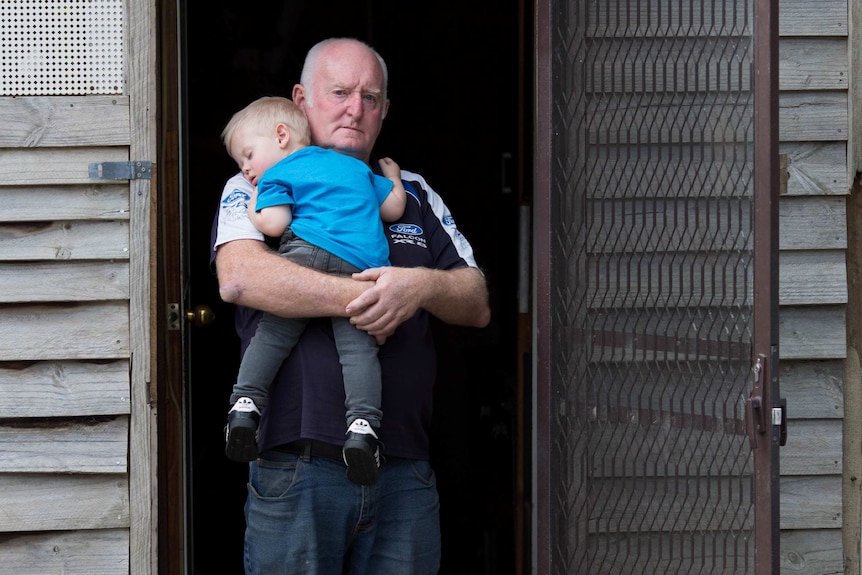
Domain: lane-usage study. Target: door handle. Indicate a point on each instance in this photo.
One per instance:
(759, 417)
(755, 412)
(200, 316)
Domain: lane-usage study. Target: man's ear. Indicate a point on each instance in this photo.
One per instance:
(282, 132)
(385, 110)
(298, 95)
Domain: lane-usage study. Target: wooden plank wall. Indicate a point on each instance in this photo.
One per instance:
(77, 468)
(65, 395)
(814, 126)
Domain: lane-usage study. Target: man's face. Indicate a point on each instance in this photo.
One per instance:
(345, 103)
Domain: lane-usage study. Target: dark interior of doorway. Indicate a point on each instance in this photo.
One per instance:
(454, 84)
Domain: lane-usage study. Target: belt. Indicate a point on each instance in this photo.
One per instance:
(310, 448)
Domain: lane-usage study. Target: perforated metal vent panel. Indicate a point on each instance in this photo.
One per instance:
(61, 47)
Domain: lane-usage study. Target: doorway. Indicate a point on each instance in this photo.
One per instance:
(456, 118)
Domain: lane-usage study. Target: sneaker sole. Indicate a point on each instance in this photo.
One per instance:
(241, 444)
(361, 465)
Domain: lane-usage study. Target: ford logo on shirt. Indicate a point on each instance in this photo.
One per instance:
(235, 198)
(407, 229)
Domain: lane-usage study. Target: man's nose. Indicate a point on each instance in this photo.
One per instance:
(354, 104)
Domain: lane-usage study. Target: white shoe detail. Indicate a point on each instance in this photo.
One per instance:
(360, 426)
(245, 405)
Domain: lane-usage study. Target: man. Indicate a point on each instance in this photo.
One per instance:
(303, 516)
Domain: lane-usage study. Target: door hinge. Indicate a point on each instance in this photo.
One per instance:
(135, 170)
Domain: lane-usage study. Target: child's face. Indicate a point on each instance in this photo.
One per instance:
(255, 151)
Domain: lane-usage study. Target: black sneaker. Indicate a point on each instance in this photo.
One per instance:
(361, 453)
(241, 431)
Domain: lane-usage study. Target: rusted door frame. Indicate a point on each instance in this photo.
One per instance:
(541, 291)
(767, 426)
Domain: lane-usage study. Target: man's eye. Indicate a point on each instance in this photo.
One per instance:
(340, 92)
(370, 99)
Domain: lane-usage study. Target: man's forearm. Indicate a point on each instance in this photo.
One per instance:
(458, 297)
(252, 275)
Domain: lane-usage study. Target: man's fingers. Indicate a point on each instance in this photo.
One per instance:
(377, 324)
(369, 275)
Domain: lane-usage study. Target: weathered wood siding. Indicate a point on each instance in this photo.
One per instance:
(814, 126)
(64, 334)
(76, 468)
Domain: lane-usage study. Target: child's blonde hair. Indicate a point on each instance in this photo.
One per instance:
(265, 113)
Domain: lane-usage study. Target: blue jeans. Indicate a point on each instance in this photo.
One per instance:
(303, 517)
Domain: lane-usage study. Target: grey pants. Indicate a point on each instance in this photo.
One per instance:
(276, 336)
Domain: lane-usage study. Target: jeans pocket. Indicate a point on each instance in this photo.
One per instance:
(424, 472)
(272, 477)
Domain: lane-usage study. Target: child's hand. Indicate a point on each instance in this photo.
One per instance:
(251, 206)
(390, 169)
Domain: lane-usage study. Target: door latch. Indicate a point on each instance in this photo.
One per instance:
(782, 413)
(760, 418)
(756, 414)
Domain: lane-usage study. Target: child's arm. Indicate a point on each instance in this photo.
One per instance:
(393, 206)
(271, 221)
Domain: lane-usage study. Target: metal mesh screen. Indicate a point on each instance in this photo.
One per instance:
(652, 286)
(71, 47)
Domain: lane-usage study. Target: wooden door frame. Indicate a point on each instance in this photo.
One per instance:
(142, 79)
(173, 499)
(170, 281)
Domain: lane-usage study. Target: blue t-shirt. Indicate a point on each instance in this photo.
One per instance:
(335, 202)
